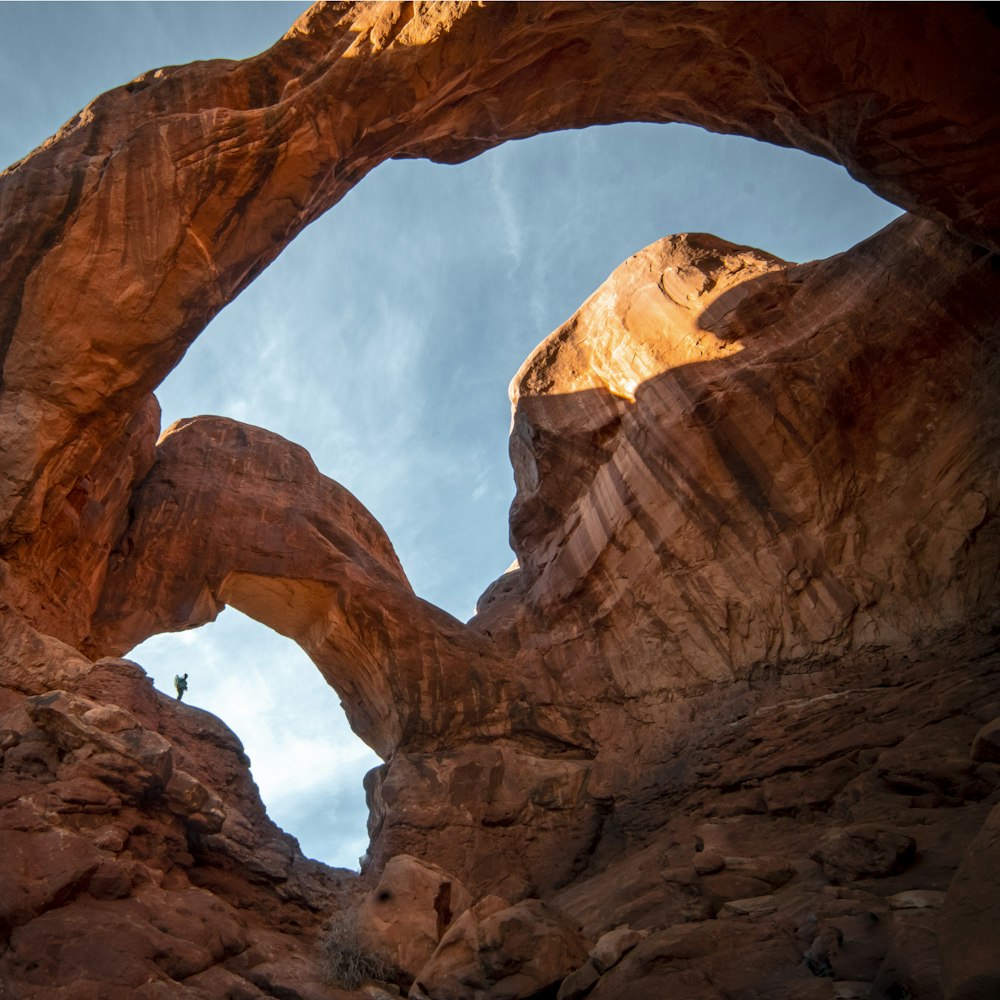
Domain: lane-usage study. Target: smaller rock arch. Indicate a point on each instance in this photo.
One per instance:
(232, 514)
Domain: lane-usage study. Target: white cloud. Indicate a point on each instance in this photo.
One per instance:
(505, 207)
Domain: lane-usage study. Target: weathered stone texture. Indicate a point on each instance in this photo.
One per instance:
(99, 311)
(319, 570)
(732, 717)
(754, 487)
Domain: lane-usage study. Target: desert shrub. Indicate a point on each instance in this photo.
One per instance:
(350, 964)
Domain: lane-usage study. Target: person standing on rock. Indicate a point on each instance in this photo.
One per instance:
(181, 683)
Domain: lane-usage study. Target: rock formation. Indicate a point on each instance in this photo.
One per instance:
(726, 728)
(320, 570)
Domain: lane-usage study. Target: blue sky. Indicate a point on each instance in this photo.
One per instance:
(384, 339)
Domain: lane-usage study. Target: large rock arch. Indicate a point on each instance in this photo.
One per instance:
(747, 552)
(232, 514)
(217, 165)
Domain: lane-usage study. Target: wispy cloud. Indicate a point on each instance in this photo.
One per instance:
(513, 241)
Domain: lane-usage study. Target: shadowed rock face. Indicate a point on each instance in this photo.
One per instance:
(763, 455)
(729, 695)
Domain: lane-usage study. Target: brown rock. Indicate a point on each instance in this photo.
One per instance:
(729, 513)
(32, 662)
(646, 896)
(911, 965)
(89, 943)
(848, 945)
(236, 207)
(579, 983)
(509, 952)
(670, 963)
(611, 946)
(407, 912)
(190, 798)
(864, 851)
(776, 872)
(326, 576)
(110, 838)
(707, 863)
(468, 809)
(755, 525)
(986, 745)
(64, 717)
(110, 881)
(41, 871)
(220, 982)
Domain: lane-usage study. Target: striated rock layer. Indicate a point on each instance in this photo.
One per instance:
(726, 730)
(731, 476)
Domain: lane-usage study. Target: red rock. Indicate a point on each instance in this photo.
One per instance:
(865, 851)
(72, 427)
(406, 913)
(755, 524)
(507, 952)
(706, 864)
(136, 758)
(41, 871)
(202, 807)
(321, 571)
(610, 947)
(110, 881)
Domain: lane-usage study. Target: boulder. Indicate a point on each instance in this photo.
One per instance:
(986, 745)
(969, 933)
(74, 722)
(611, 946)
(408, 911)
(504, 952)
(864, 851)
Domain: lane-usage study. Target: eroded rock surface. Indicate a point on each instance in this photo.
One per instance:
(732, 715)
(136, 851)
(217, 165)
(768, 507)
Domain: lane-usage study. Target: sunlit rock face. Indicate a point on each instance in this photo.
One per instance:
(726, 718)
(217, 165)
(728, 471)
(727, 464)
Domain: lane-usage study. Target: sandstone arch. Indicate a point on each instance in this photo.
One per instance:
(242, 155)
(592, 762)
(233, 514)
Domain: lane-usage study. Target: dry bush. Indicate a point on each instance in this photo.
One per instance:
(349, 963)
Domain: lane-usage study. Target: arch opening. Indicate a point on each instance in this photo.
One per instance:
(308, 765)
(408, 348)
(384, 337)
(401, 346)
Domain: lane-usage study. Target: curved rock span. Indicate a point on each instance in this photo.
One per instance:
(729, 726)
(231, 514)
